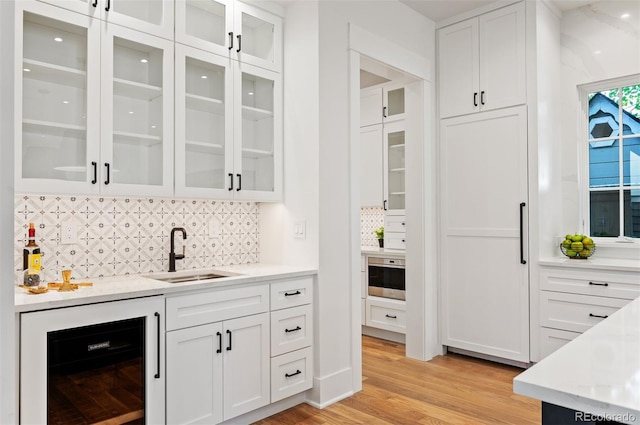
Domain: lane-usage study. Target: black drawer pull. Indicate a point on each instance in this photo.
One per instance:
(289, 375)
(297, 328)
(598, 316)
(391, 316)
(599, 284)
(290, 294)
(229, 333)
(219, 350)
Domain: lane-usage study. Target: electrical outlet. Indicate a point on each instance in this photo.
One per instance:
(69, 234)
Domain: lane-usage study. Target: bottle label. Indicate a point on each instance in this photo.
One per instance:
(34, 265)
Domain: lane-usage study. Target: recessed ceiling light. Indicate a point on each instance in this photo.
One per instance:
(26, 69)
(153, 126)
(144, 60)
(204, 77)
(58, 39)
(250, 93)
(131, 112)
(625, 15)
(596, 52)
(65, 101)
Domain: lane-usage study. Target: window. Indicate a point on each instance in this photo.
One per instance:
(613, 138)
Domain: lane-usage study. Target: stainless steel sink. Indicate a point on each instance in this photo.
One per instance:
(182, 277)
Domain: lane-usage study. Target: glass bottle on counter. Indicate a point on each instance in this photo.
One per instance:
(31, 259)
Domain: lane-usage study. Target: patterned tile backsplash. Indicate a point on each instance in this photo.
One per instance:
(119, 236)
(370, 220)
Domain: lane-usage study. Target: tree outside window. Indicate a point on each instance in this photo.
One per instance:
(614, 161)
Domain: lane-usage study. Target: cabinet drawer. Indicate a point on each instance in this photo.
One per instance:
(389, 315)
(291, 329)
(292, 293)
(552, 339)
(395, 223)
(207, 307)
(591, 282)
(394, 240)
(573, 312)
(291, 373)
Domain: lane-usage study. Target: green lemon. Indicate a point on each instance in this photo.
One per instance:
(566, 244)
(577, 246)
(571, 253)
(576, 238)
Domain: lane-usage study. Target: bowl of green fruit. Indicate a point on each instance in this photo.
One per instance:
(578, 247)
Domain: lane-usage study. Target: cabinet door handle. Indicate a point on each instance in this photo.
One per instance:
(384, 112)
(391, 316)
(290, 294)
(475, 98)
(297, 328)
(108, 5)
(230, 40)
(229, 333)
(598, 316)
(599, 284)
(239, 36)
(522, 260)
(482, 97)
(157, 375)
(95, 172)
(108, 180)
(384, 205)
(230, 182)
(239, 182)
(95, 3)
(289, 375)
(219, 335)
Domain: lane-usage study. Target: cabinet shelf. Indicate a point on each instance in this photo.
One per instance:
(136, 138)
(397, 193)
(135, 90)
(204, 147)
(255, 114)
(397, 170)
(256, 153)
(206, 104)
(53, 128)
(398, 146)
(57, 74)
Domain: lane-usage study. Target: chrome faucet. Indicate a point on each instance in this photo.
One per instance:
(172, 255)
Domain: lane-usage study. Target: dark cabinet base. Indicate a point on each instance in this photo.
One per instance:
(557, 415)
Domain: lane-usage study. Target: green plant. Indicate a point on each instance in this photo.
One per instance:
(379, 233)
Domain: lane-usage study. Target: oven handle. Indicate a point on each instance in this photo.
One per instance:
(386, 266)
(157, 375)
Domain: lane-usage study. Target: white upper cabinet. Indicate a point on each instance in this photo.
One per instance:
(381, 104)
(482, 62)
(96, 106)
(236, 30)
(371, 169)
(394, 168)
(150, 16)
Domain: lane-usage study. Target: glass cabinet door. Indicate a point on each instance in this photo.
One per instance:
(204, 124)
(394, 103)
(394, 136)
(86, 7)
(205, 24)
(259, 132)
(137, 110)
(151, 16)
(258, 37)
(59, 99)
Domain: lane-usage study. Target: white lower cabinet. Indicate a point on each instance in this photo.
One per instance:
(387, 314)
(573, 300)
(291, 373)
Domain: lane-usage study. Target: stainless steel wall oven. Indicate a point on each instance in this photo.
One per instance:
(386, 277)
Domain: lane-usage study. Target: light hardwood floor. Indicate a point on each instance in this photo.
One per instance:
(451, 389)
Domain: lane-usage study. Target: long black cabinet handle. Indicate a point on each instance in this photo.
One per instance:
(95, 3)
(239, 182)
(229, 333)
(95, 172)
(475, 98)
(384, 112)
(219, 335)
(384, 205)
(230, 182)
(239, 36)
(482, 97)
(108, 5)
(522, 260)
(157, 375)
(391, 316)
(108, 180)
(297, 328)
(598, 316)
(290, 294)
(599, 284)
(289, 375)
(230, 40)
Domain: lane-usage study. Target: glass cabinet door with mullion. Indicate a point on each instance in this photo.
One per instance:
(394, 167)
(258, 134)
(204, 124)
(137, 113)
(57, 100)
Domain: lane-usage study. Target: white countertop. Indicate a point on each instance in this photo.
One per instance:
(374, 250)
(115, 288)
(598, 372)
(600, 263)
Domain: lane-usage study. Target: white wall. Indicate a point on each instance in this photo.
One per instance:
(597, 44)
(8, 381)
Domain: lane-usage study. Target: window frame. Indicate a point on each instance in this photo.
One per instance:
(583, 151)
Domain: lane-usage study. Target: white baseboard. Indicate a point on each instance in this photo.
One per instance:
(266, 411)
(384, 334)
(331, 388)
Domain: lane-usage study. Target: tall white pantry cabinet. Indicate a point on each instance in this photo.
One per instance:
(484, 185)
